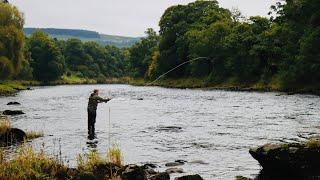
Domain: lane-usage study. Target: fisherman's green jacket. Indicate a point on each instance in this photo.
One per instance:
(94, 100)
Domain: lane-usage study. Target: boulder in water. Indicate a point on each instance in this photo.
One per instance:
(293, 157)
(189, 177)
(13, 103)
(12, 136)
(12, 112)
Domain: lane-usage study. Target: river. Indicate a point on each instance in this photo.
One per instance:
(212, 130)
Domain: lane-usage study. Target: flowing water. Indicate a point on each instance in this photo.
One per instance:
(212, 130)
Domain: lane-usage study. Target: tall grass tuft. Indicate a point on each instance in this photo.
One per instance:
(115, 155)
(313, 143)
(89, 161)
(2, 156)
(33, 135)
(4, 124)
(27, 164)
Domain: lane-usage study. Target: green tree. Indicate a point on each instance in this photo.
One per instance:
(141, 54)
(175, 27)
(48, 63)
(11, 38)
(6, 68)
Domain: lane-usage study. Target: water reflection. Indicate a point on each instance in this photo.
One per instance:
(92, 143)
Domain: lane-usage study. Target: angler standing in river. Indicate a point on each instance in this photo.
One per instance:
(94, 100)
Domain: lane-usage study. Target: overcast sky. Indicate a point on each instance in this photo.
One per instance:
(115, 17)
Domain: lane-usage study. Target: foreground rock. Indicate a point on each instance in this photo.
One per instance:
(296, 158)
(12, 136)
(12, 112)
(160, 176)
(189, 177)
(133, 172)
(13, 103)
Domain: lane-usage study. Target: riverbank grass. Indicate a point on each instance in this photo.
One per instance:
(73, 79)
(10, 87)
(28, 164)
(232, 84)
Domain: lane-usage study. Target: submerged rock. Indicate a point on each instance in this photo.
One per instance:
(198, 162)
(189, 177)
(149, 166)
(13, 103)
(12, 112)
(294, 157)
(170, 164)
(169, 129)
(174, 170)
(12, 136)
(176, 163)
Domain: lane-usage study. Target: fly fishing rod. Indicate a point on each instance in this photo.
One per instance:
(192, 60)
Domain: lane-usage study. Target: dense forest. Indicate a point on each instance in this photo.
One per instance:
(282, 49)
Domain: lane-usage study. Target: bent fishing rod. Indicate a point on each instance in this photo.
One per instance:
(192, 60)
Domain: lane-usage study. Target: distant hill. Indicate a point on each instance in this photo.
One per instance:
(85, 35)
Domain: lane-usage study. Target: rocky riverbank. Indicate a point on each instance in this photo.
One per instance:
(11, 87)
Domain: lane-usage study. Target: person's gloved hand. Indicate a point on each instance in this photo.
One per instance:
(108, 99)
